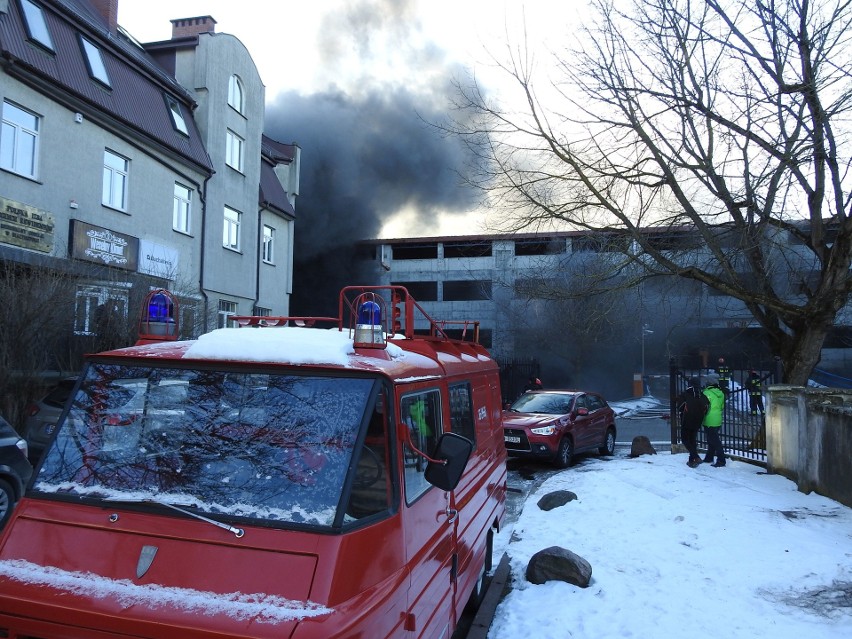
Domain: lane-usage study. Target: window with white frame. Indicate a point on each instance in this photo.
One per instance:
(98, 308)
(262, 311)
(36, 24)
(227, 309)
(268, 244)
(19, 140)
(116, 173)
(231, 229)
(177, 115)
(236, 95)
(234, 151)
(95, 61)
(182, 214)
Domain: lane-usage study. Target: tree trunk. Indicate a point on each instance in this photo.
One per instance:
(801, 353)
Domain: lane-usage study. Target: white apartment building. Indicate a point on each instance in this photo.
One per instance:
(129, 167)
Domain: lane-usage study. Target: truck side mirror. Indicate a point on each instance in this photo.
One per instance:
(449, 460)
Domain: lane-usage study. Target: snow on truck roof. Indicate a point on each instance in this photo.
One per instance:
(280, 344)
(298, 346)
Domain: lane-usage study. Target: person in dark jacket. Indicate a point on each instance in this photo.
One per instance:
(755, 391)
(713, 421)
(692, 406)
(534, 383)
(724, 373)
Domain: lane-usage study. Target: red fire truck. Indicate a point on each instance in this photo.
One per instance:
(293, 477)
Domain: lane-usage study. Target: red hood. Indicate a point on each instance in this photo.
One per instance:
(528, 420)
(86, 573)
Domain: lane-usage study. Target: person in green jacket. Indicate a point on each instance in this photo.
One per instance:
(713, 421)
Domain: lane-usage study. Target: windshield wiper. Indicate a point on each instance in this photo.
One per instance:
(238, 532)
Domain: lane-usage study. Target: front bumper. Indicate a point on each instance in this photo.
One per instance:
(519, 443)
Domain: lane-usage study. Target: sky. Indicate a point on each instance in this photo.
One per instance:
(727, 552)
(356, 83)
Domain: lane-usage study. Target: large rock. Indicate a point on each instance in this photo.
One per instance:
(556, 499)
(642, 446)
(558, 564)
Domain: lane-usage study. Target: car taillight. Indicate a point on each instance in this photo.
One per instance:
(32, 409)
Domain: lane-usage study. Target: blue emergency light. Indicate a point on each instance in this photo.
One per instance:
(369, 331)
(158, 317)
(160, 308)
(370, 313)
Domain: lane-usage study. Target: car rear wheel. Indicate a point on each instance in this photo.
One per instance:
(609, 443)
(565, 453)
(7, 500)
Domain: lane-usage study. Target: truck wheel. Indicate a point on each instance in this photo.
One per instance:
(565, 453)
(609, 443)
(7, 501)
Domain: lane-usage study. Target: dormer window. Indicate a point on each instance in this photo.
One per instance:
(236, 95)
(95, 62)
(36, 24)
(177, 115)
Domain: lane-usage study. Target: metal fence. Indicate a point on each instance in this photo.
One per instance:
(743, 430)
(514, 375)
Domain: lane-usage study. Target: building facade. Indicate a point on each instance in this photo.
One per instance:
(129, 167)
(523, 289)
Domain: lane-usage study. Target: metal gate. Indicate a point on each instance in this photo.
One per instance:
(743, 430)
(514, 375)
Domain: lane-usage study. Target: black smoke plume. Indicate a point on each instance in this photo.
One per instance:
(367, 153)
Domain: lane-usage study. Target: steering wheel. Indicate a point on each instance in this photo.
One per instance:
(369, 469)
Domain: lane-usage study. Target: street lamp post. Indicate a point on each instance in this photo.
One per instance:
(645, 331)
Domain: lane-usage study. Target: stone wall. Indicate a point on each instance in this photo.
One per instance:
(809, 439)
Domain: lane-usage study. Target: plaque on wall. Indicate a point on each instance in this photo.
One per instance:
(26, 226)
(158, 260)
(97, 244)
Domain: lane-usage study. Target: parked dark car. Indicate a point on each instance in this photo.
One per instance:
(15, 469)
(41, 417)
(554, 425)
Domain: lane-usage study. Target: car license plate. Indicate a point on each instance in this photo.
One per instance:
(511, 439)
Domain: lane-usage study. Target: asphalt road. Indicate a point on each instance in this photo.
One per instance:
(648, 422)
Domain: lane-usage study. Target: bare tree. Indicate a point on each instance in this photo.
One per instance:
(723, 122)
(34, 325)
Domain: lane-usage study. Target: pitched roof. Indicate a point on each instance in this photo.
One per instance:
(136, 97)
(272, 193)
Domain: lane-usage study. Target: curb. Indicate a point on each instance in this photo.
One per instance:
(485, 615)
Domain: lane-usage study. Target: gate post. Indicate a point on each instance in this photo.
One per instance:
(674, 371)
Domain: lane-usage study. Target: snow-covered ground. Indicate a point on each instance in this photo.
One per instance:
(678, 552)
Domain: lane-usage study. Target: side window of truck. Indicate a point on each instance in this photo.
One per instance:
(421, 413)
(372, 489)
(461, 411)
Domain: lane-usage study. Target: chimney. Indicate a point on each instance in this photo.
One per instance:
(109, 11)
(184, 27)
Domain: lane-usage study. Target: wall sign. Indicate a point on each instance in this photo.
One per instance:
(97, 244)
(158, 260)
(26, 226)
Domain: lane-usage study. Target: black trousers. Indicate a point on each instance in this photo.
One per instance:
(689, 437)
(714, 444)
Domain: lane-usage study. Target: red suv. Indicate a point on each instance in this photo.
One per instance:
(556, 424)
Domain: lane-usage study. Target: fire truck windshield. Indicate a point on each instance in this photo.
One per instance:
(269, 447)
